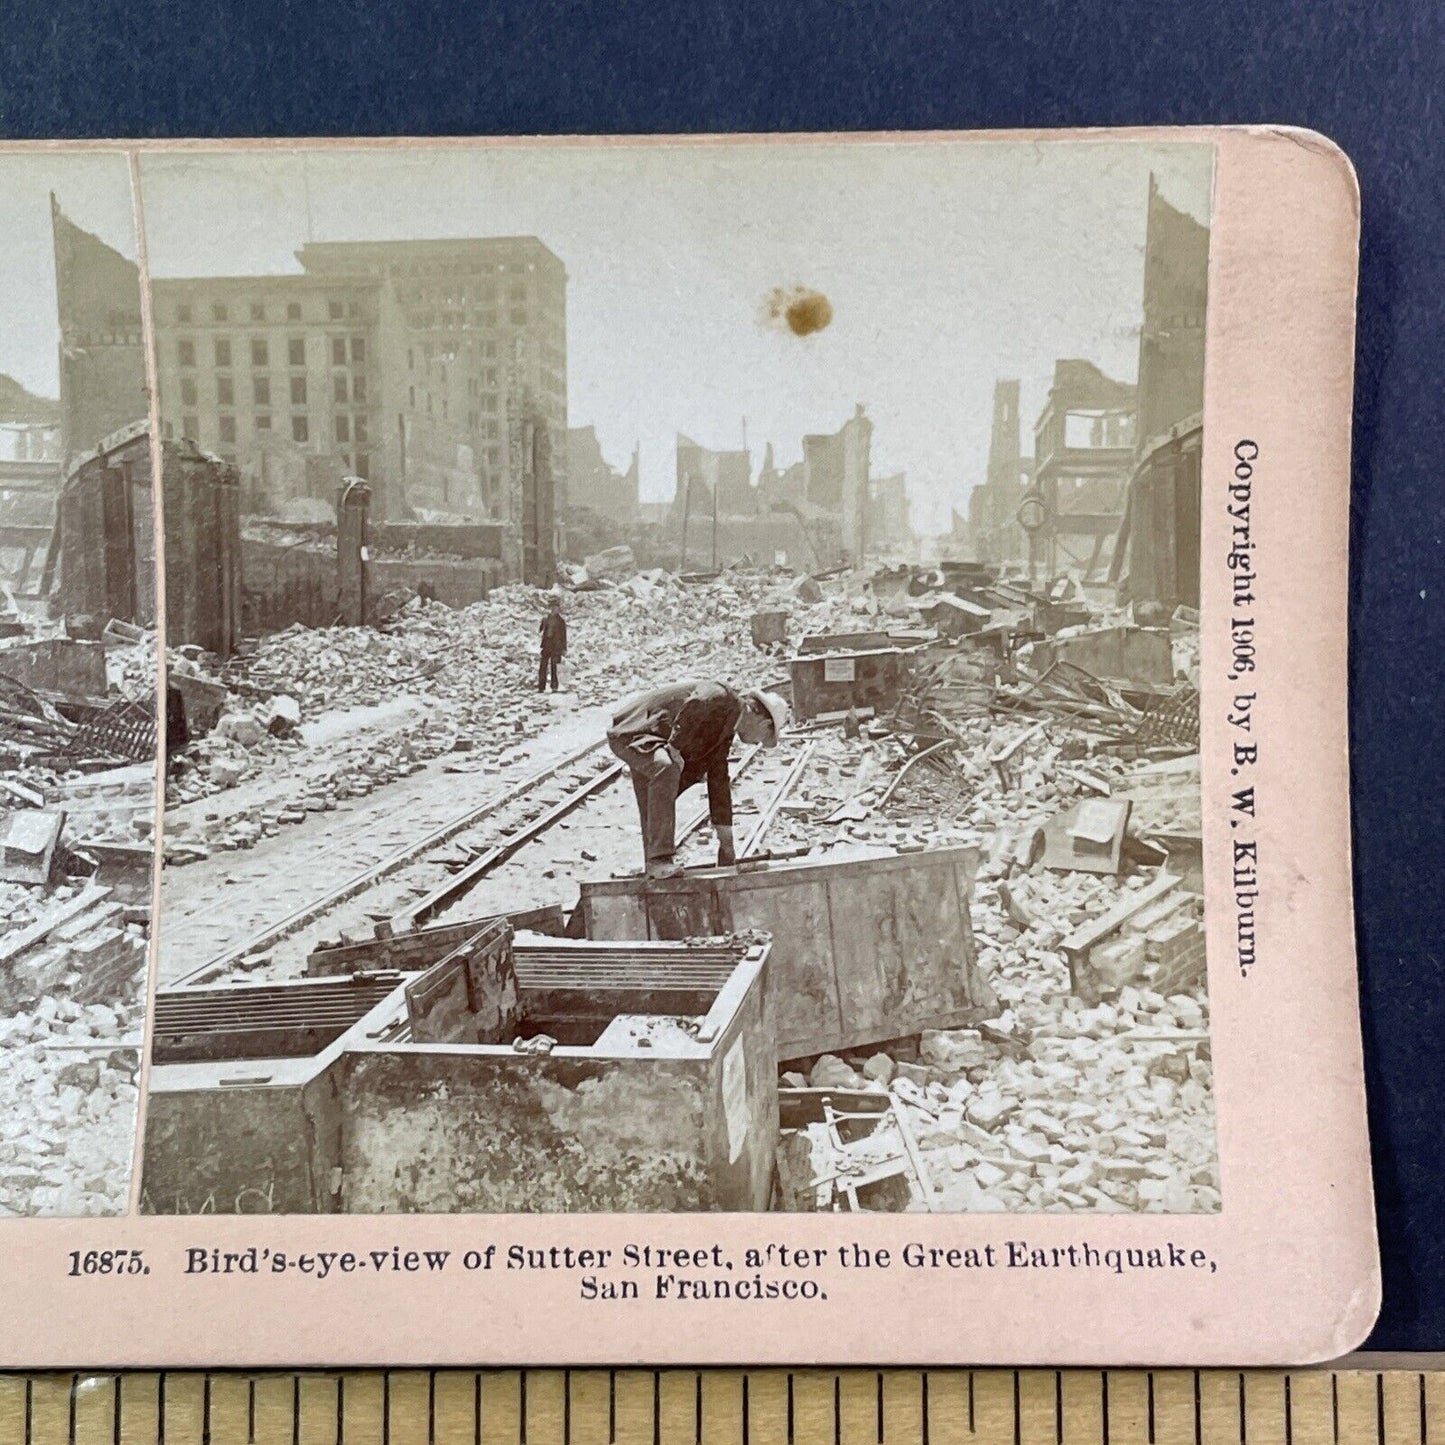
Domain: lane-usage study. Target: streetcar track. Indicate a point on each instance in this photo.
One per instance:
(495, 834)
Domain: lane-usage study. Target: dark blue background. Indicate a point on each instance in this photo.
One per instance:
(1370, 76)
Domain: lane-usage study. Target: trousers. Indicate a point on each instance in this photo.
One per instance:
(549, 661)
(656, 790)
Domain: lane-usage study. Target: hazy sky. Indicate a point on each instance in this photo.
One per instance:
(948, 265)
(94, 191)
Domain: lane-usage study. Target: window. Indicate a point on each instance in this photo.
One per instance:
(263, 422)
(223, 351)
(358, 427)
(261, 390)
(343, 427)
(293, 311)
(517, 293)
(489, 376)
(228, 429)
(296, 351)
(218, 311)
(358, 351)
(338, 389)
(335, 310)
(258, 311)
(298, 391)
(190, 427)
(363, 465)
(300, 432)
(186, 351)
(489, 350)
(411, 396)
(410, 359)
(353, 308)
(518, 317)
(338, 351)
(489, 318)
(260, 351)
(225, 391)
(358, 388)
(489, 402)
(444, 406)
(183, 313)
(188, 391)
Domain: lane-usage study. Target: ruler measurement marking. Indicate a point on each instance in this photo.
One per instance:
(1260, 1407)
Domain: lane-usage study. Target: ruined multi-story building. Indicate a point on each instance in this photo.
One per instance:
(1156, 557)
(1083, 454)
(102, 349)
(890, 514)
(993, 531)
(434, 369)
(592, 481)
(703, 474)
(838, 479)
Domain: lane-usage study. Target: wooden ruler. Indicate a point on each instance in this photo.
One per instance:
(730, 1407)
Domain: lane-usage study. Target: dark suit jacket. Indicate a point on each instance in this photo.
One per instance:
(699, 720)
(554, 635)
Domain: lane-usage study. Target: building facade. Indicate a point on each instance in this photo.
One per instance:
(428, 368)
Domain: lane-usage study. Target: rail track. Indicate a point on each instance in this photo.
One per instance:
(489, 858)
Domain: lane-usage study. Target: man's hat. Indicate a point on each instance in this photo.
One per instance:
(775, 707)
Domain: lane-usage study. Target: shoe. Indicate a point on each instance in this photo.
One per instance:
(667, 869)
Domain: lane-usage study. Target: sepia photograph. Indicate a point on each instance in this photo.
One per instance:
(682, 674)
(78, 695)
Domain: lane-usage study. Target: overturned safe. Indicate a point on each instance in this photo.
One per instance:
(864, 948)
(827, 682)
(546, 1076)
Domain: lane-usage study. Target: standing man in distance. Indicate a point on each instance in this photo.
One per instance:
(674, 737)
(554, 643)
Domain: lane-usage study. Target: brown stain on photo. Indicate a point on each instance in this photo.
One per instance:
(801, 309)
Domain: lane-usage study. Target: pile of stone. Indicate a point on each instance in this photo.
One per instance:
(69, 1097)
(471, 672)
